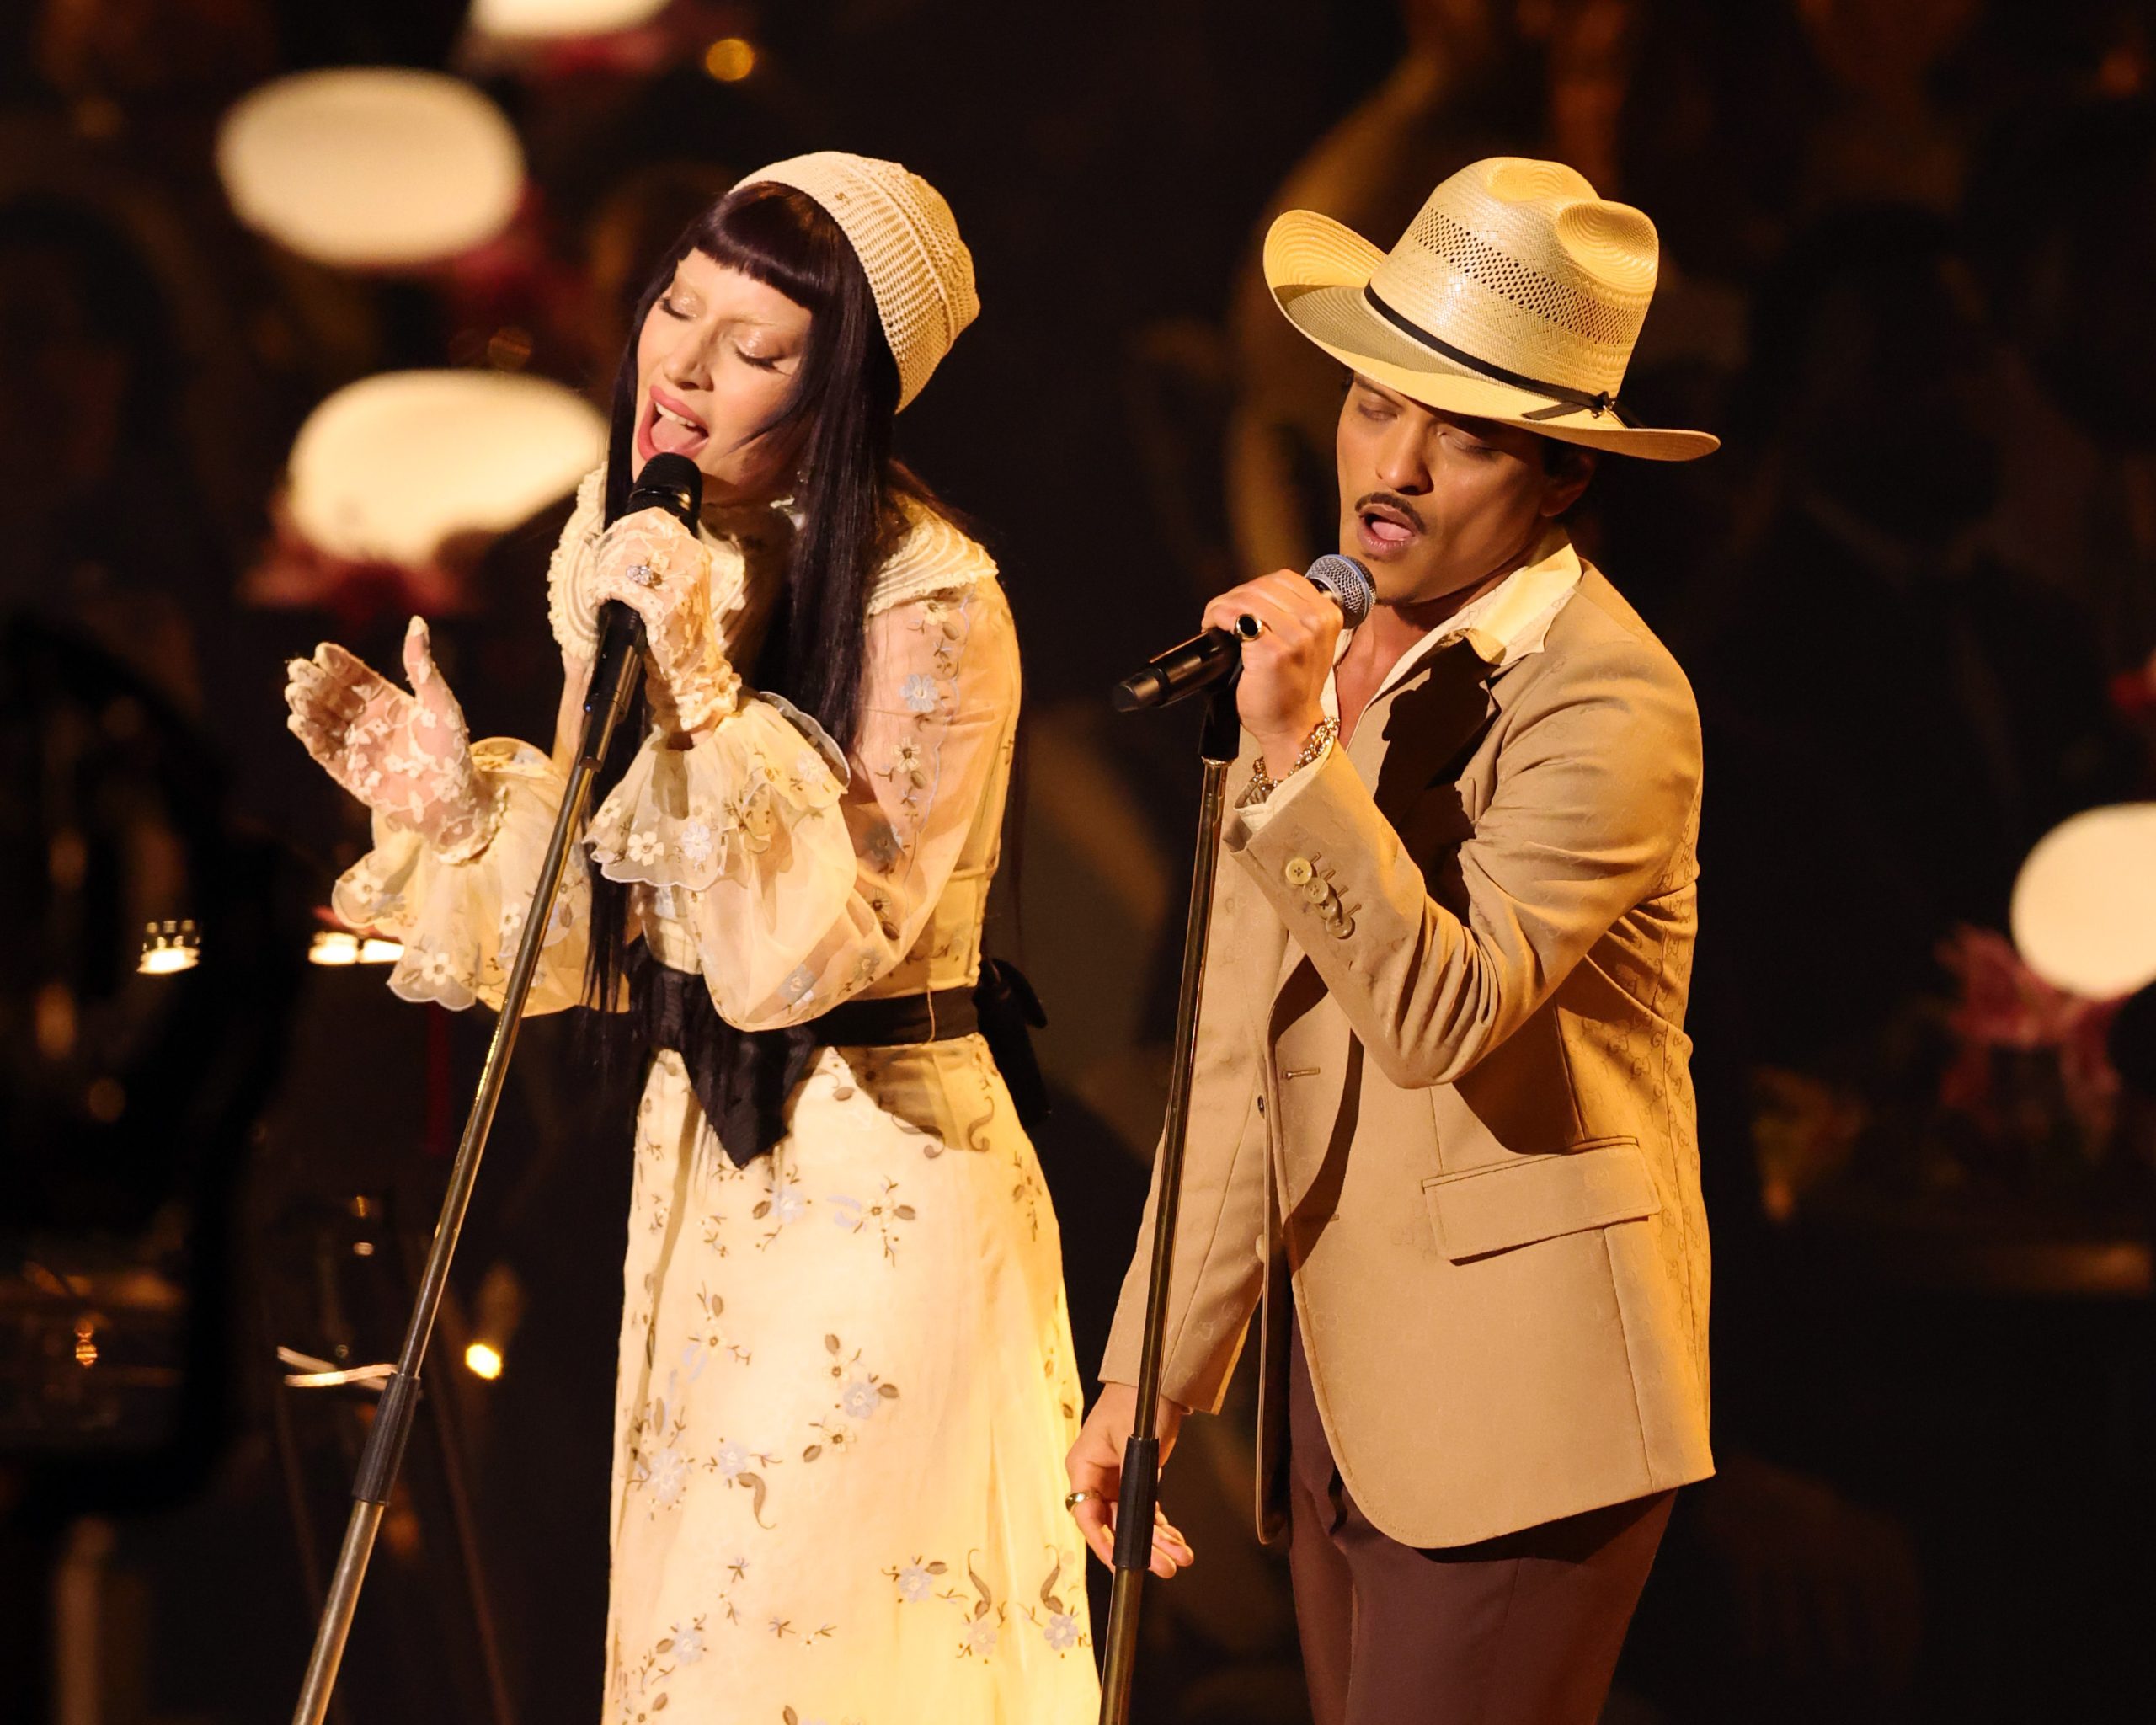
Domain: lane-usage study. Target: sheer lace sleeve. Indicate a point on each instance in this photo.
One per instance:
(806, 878)
(460, 921)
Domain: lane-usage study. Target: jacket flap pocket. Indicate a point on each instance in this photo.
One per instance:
(1482, 1210)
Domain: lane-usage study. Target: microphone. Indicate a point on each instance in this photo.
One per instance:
(1204, 660)
(672, 482)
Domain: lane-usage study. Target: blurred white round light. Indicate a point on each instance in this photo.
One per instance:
(2084, 904)
(561, 18)
(389, 468)
(370, 167)
(483, 1361)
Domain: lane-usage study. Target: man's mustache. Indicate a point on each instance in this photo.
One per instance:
(1392, 500)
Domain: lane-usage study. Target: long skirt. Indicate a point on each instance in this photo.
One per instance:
(845, 1392)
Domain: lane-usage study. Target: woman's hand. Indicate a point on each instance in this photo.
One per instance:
(1094, 1465)
(661, 571)
(408, 755)
(1285, 667)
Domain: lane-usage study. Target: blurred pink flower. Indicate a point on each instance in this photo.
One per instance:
(2005, 1005)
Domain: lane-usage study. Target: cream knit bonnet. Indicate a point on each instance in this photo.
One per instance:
(903, 234)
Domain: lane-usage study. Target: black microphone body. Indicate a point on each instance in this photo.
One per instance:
(672, 482)
(1204, 659)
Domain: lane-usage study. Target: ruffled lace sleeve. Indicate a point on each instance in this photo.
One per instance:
(805, 877)
(460, 922)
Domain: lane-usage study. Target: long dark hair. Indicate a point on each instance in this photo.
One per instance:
(838, 414)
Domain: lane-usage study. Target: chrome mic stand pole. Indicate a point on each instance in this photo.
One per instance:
(400, 1396)
(1137, 1503)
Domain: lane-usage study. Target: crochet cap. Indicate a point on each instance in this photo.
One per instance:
(907, 240)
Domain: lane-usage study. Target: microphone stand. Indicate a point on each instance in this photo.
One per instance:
(1137, 1502)
(614, 680)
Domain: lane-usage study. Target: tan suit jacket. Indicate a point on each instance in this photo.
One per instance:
(1449, 1103)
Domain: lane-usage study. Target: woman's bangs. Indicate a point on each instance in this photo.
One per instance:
(779, 236)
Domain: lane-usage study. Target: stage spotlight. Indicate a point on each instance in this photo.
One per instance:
(371, 167)
(2085, 904)
(334, 947)
(389, 468)
(483, 1361)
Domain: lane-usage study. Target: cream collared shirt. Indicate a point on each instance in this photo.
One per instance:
(1507, 624)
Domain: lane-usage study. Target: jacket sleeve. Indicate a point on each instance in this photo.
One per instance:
(1597, 776)
(1219, 1268)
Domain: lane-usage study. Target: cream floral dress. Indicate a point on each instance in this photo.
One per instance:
(845, 1385)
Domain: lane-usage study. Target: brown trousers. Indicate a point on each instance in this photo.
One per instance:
(1520, 1630)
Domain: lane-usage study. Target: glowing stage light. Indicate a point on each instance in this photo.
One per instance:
(483, 1361)
(562, 18)
(389, 468)
(2084, 904)
(730, 59)
(169, 948)
(371, 168)
(334, 947)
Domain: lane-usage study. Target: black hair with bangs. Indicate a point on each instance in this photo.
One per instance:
(838, 415)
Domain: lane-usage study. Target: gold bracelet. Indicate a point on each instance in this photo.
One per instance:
(1263, 784)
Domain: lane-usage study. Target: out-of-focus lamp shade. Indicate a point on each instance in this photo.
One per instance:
(169, 947)
(371, 167)
(2084, 904)
(390, 467)
(562, 18)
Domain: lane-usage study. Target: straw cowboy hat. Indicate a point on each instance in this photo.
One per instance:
(1516, 295)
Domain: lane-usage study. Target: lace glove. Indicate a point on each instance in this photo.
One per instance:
(661, 571)
(408, 755)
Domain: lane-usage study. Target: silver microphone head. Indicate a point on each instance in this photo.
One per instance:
(1349, 582)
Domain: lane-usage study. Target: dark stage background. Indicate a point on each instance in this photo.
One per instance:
(1908, 250)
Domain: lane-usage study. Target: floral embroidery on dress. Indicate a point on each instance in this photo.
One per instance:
(714, 1338)
(985, 1628)
(696, 841)
(737, 1572)
(640, 1688)
(917, 1580)
(854, 1216)
(861, 1393)
(986, 1616)
(434, 968)
(656, 1461)
(730, 1462)
(1057, 1622)
(785, 1202)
